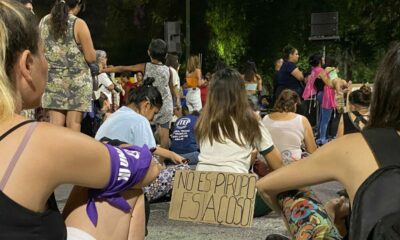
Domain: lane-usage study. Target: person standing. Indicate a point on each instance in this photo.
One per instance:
(172, 61)
(193, 82)
(252, 82)
(106, 86)
(157, 52)
(289, 76)
(327, 100)
(68, 50)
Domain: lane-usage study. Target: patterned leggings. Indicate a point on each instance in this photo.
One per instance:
(306, 216)
(162, 185)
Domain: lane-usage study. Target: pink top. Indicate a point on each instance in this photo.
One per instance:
(310, 89)
(329, 101)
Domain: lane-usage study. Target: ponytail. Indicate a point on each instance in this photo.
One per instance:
(146, 92)
(59, 16)
(59, 19)
(361, 96)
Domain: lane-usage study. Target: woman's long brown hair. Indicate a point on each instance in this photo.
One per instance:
(227, 104)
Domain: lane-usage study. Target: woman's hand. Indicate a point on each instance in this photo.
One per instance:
(177, 159)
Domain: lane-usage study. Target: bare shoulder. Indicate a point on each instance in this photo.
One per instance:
(56, 132)
(303, 118)
(58, 140)
(347, 145)
(341, 152)
(80, 22)
(305, 122)
(356, 160)
(352, 154)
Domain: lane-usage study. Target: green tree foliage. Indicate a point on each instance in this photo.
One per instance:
(236, 31)
(228, 30)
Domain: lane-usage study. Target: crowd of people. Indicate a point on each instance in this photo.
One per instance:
(139, 133)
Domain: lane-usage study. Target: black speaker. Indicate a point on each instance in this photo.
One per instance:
(324, 26)
(172, 36)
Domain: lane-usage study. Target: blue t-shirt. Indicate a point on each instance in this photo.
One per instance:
(183, 138)
(128, 126)
(284, 77)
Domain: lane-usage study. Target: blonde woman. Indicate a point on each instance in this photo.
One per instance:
(193, 82)
(38, 157)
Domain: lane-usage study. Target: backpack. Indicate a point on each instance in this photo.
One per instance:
(376, 207)
(319, 84)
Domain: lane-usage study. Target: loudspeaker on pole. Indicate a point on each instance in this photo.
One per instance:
(172, 36)
(324, 26)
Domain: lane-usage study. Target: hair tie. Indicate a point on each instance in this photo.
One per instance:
(62, 1)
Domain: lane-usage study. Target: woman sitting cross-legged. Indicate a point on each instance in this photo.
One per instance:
(288, 129)
(228, 130)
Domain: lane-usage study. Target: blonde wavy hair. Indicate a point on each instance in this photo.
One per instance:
(19, 32)
(193, 63)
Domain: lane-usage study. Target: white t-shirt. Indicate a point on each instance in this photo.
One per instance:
(104, 83)
(230, 157)
(287, 135)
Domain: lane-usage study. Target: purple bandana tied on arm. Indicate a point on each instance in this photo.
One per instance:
(129, 166)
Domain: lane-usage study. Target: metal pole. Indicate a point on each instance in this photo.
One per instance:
(346, 57)
(187, 29)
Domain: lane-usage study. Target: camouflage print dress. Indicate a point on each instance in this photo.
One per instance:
(69, 85)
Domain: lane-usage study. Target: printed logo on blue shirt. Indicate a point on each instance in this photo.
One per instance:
(182, 123)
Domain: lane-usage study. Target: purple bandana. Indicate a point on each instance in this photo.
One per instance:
(129, 165)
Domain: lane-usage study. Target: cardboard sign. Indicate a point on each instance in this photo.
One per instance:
(213, 197)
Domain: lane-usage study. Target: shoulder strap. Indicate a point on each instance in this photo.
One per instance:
(359, 117)
(384, 144)
(16, 156)
(15, 128)
(145, 69)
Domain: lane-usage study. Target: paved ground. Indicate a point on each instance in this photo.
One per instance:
(160, 227)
